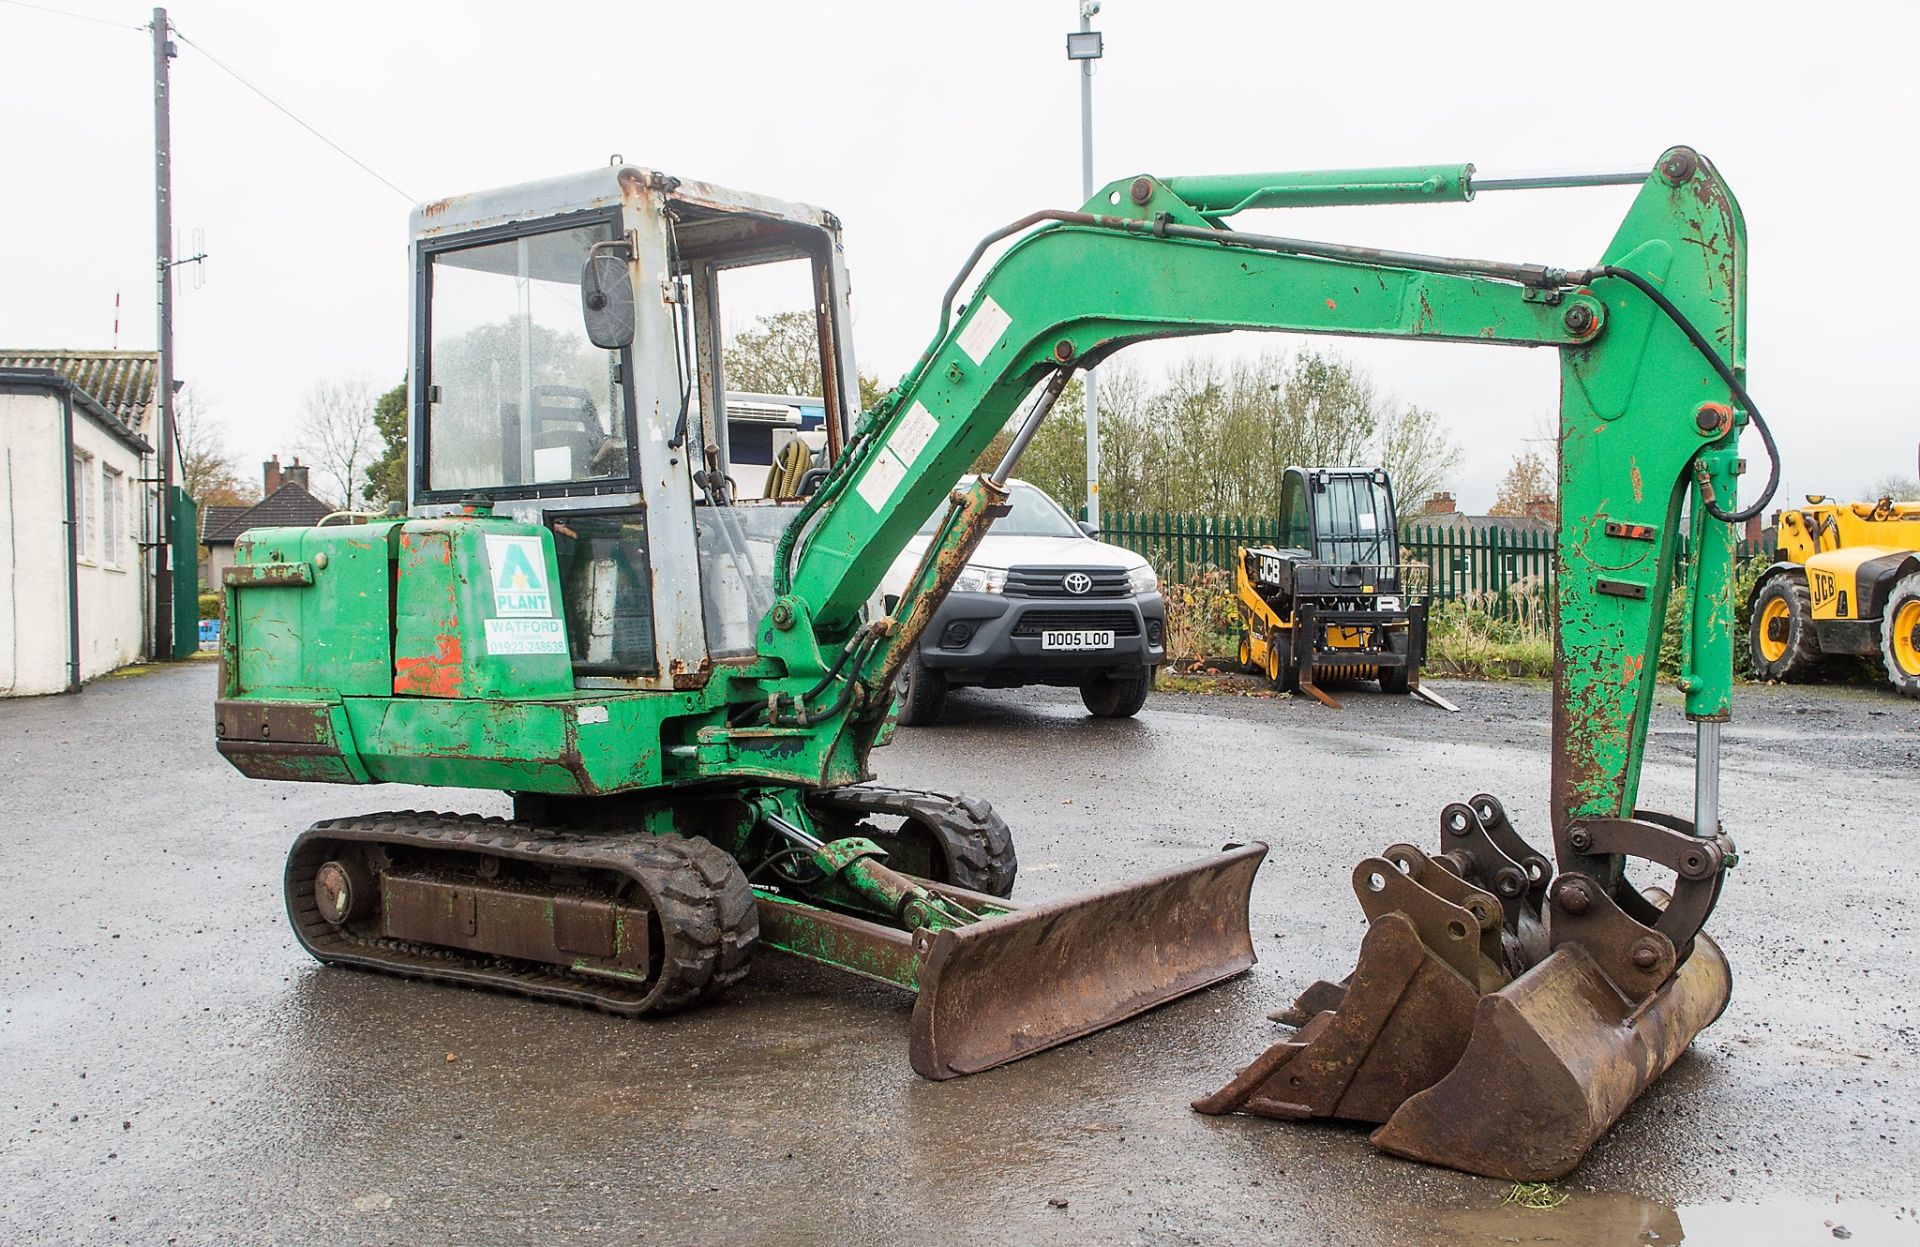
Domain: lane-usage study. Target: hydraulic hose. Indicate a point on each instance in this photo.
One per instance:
(1726, 372)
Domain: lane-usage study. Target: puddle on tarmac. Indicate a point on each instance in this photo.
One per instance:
(1605, 1220)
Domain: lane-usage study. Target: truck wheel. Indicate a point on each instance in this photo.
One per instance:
(1781, 642)
(1246, 651)
(1900, 636)
(1117, 696)
(923, 692)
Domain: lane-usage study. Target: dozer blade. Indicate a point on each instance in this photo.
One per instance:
(1040, 976)
(1555, 1057)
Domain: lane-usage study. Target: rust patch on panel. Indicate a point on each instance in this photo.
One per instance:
(434, 675)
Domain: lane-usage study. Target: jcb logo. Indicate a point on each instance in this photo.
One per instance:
(1823, 588)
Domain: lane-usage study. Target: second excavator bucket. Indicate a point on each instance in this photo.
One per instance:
(1554, 1059)
(1045, 974)
(1464, 1066)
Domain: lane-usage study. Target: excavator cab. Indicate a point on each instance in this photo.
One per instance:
(535, 404)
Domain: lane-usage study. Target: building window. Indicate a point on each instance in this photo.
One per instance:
(112, 515)
(85, 504)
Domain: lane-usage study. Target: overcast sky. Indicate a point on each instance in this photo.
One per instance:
(924, 126)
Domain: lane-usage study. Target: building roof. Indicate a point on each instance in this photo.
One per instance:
(120, 381)
(289, 506)
(52, 381)
(217, 519)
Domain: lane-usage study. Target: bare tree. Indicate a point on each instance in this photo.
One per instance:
(1895, 485)
(1528, 480)
(338, 437)
(1418, 454)
(208, 470)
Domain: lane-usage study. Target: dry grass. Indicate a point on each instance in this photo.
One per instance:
(1465, 640)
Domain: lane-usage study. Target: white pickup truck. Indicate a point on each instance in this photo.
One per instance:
(1042, 602)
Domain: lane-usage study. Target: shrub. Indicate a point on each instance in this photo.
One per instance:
(1202, 619)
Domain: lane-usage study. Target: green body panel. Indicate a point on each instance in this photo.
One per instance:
(388, 623)
(308, 613)
(477, 611)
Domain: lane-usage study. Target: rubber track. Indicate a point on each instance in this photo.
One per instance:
(705, 908)
(976, 841)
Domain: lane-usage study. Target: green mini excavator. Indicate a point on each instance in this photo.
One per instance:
(681, 688)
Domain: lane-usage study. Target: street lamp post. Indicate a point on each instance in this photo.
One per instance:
(1085, 46)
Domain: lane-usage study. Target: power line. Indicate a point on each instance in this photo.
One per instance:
(293, 116)
(236, 76)
(79, 17)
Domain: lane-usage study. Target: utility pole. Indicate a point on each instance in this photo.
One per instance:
(163, 51)
(1086, 47)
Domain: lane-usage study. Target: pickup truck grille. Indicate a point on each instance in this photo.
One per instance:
(1119, 622)
(1050, 582)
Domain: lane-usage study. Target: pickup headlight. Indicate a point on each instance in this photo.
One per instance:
(1388, 602)
(1142, 580)
(973, 579)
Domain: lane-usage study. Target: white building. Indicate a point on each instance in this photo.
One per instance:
(75, 586)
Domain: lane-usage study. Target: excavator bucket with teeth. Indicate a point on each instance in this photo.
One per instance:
(1464, 1062)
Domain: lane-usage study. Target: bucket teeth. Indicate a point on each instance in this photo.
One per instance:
(1400, 1026)
(1476, 1037)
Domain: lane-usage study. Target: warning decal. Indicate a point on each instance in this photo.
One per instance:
(983, 331)
(884, 475)
(519, 578)
(915, 430)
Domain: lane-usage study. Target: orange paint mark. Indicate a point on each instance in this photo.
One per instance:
(1639, 485)
(1631, 667)
(433, 675)
(1331, 305)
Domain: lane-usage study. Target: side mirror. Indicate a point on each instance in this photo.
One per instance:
(1089, 529)
(606, 300)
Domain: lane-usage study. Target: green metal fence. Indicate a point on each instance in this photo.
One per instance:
(1504, 571)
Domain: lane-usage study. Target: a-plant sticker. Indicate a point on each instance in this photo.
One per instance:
(519, 577)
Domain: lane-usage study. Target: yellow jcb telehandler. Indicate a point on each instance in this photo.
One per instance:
(1845, 580)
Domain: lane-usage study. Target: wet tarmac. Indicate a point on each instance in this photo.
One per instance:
(177, 1071)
